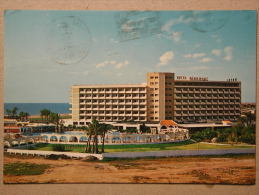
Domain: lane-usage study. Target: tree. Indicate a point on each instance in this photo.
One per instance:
(14, 112)
(22, 116)
(144, 129)
(89, 132)
(104, 129)
(55, 118)
(26, 115)
(93, 130)
(45, 113)
(8, 112)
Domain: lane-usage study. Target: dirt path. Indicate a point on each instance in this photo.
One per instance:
(236, 170)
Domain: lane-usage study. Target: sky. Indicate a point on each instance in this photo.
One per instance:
(46, 52)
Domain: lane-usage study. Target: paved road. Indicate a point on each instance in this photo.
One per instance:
(169, 153)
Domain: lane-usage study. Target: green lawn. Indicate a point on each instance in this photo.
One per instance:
(185, 145)
(24, 169)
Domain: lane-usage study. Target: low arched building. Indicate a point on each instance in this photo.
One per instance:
(173, 129)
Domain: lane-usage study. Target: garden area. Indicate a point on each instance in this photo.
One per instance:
(185, 145)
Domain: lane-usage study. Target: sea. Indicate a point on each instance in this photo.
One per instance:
(35, 108)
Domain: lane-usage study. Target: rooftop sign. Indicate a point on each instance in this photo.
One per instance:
(192, 78)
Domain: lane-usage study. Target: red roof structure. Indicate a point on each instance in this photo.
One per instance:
(168, 123)
(12, 129)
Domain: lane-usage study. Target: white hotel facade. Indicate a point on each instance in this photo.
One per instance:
(163, 97)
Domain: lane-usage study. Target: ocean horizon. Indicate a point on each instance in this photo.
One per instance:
(35, 108)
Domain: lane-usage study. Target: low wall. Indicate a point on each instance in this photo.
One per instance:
(167, 153)
(171, 153)
(46, 153)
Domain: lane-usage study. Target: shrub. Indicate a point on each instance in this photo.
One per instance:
(24, 168)
(59, 147)
(248, 138)
(222, 138)
(56, 157)
(205, 135)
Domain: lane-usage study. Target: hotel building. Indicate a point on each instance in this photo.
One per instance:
(164, 97)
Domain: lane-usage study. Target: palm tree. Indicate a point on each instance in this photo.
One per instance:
(42, 114)
(93, 130)
(9, 112)
(22, 116)
(45, 113)
(89, 132)
(104, 129)
(14, 112)
(26, 115)
(54, 118)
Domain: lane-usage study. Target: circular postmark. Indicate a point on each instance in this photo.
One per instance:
(69, 40)
(207, 21)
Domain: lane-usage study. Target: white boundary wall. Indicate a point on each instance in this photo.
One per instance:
(46, 153)
(167, 153)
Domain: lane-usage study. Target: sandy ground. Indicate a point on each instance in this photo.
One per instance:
(238, 170)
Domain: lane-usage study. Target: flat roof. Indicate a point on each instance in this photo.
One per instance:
(208, 81)
(109, 85)
(203, 125)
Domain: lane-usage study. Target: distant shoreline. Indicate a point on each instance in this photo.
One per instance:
(35, 108)
(39, 116)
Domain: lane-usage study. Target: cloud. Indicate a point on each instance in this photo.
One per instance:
(182, 19)
(168, 25)
(86, 72)
(192, 68)
(195, 55)
(121, 64)
(119, 74)
(204, 60)
(79, 72)
(197, 45)
(113, 40)
(199, 68)
(165, 58)
(218, 40)
(103, 64)
(176, 36)
(228, 53)
(214, 36)
(216, 52)
(115, 64)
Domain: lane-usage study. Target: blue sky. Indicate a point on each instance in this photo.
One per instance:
(45, 52)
